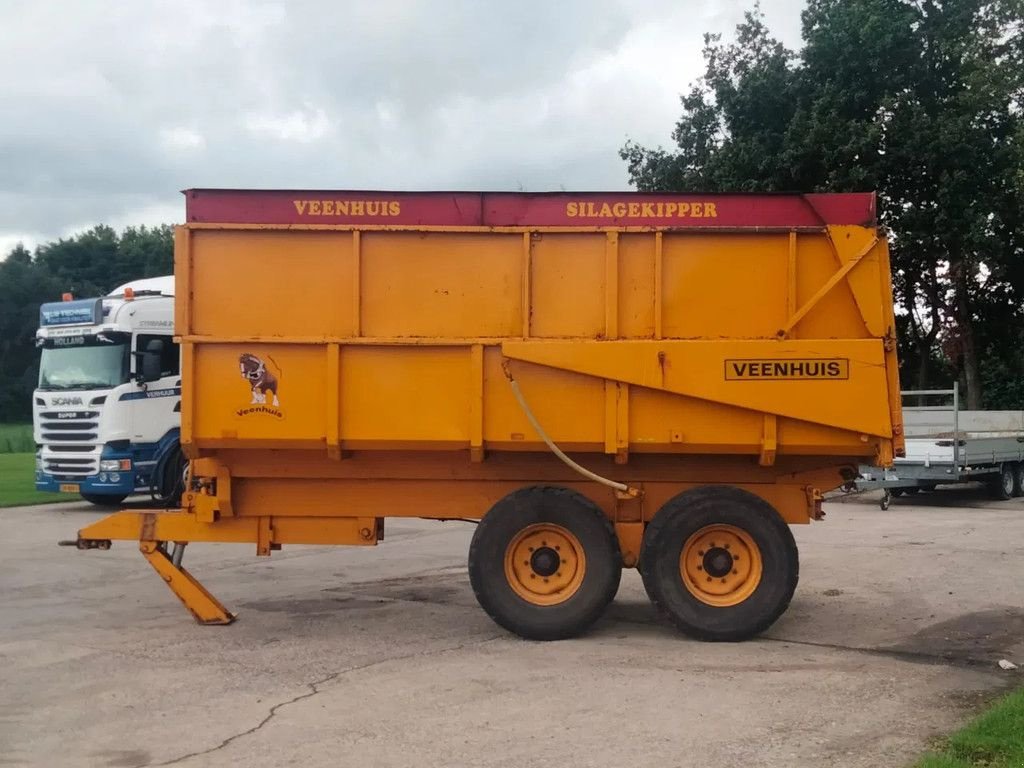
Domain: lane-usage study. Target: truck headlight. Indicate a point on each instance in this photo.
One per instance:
(114, 465)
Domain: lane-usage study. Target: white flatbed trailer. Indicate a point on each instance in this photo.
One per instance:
(946, 445)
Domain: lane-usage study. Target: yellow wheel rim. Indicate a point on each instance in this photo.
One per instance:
(545, 564)
(721, 565)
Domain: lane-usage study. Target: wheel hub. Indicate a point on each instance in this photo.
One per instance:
(545, 564)
(545, 561)
(721, 565)
(717, 562)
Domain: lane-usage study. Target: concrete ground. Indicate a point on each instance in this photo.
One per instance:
(381, 657)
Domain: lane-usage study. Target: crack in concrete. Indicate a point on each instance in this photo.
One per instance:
(314, 689)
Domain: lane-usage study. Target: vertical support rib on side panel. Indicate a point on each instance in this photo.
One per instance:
(892, 372)
(616, 420)
(526, 285)
(791, 284)
(188, 374)
(611, 413)
(611, 286)
(476, 402)
(769, 440)
(658, 290)
(622, 424)
(333, 404)
(611, 331)
(182, 281)
(357, 259)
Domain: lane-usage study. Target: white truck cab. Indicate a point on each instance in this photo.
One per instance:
(107, 409)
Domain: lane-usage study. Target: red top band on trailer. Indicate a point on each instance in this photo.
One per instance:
(516, 209)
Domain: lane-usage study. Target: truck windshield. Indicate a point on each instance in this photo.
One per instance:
(86, 364)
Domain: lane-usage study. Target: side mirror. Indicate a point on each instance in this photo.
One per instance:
(150, 361)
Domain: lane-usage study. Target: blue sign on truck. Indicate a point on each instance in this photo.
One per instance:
(82, 311)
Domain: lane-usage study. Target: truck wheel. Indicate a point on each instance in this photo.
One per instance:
(1018, 480)
(102, 500)
(544, 563)
(172, 481)
(1001, 485)
(720, 562)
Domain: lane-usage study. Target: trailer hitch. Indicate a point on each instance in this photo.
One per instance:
(85, 543)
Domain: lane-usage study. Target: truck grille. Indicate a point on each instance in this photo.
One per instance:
(66, 468)
(69, 426)
(69, 451)
(71, 468)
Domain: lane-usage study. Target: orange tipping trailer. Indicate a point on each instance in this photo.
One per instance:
(662, 381)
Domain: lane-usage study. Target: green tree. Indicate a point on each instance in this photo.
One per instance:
(146, 252)
(97, 260)
(919, 100)
(84, 262)
(23, 287)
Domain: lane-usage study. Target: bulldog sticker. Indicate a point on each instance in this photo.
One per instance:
(263, 385)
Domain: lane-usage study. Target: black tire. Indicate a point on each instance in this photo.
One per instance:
(1018, 480)
(505, 523)
(172, 480)
(895, 492)
(911, 490)
(1001, 485)
(686, 515)
(102, 500)
(929, 488)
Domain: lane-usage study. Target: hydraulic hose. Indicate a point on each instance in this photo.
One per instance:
(620, 487)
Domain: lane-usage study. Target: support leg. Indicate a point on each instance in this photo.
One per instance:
(201, 604)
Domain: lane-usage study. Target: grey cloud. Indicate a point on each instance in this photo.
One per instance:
(109, 109)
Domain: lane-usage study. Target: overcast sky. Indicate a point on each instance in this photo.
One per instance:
(107, 109)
